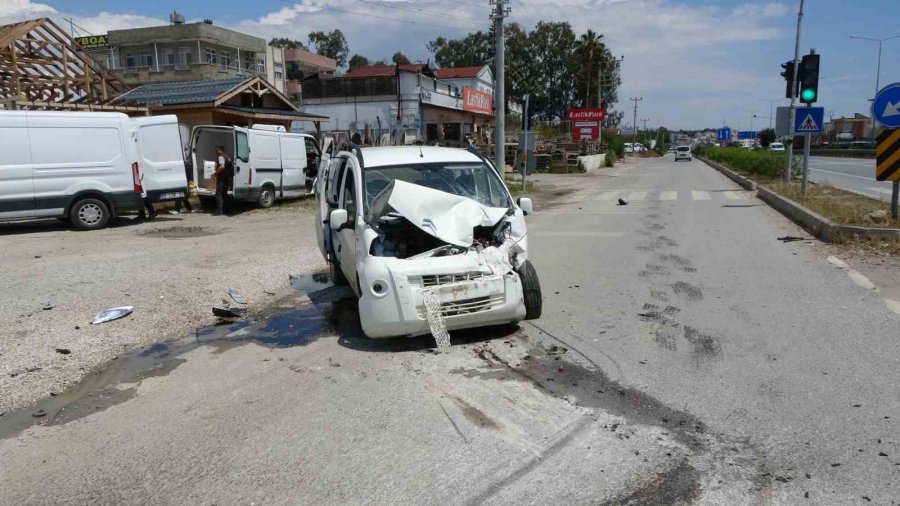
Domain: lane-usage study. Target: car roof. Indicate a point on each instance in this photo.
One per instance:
(409, 155)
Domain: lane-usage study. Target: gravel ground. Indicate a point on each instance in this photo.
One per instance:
(172, 270)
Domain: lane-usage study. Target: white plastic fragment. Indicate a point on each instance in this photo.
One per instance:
(436, 319)
(113, 313)
(237, 296)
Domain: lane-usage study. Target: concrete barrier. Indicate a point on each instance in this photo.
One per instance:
(730, 174)
(592, 162)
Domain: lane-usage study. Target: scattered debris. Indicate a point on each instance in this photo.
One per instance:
(557, 350)
(237, 296)
(39, 413)
(268, 292)
(877, 216)
(63, 351)
(790, 238)
(48, 306)
(225, 312)
(623, 202)
(113, 313)
(37, 256)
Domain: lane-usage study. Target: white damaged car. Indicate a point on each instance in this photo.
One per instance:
(429, 239)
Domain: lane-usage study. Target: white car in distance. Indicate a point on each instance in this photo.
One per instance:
(776, 146)
(683, 153)
(428, 238)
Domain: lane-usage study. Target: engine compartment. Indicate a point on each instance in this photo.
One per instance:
(400, 238)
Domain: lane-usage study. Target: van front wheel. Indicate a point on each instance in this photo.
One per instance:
(266, 197)
(89, 214)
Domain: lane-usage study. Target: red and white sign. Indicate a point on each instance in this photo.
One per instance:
(586, 123)
(477, 101)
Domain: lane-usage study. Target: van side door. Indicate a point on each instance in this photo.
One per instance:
(265, 162)
(293, 163)
(350, 200)
(243, 165)
(16, 173)
(314, 161)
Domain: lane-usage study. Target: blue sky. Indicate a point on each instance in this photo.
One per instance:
(696, 63)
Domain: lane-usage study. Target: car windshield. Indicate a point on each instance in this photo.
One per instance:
(475, 180)
(684, 148)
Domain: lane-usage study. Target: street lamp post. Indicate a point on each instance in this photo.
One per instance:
(771, 109)
(878, 72)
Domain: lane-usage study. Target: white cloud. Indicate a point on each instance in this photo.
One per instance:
(9, 8)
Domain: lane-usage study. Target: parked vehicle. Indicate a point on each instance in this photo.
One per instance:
(776, 146)
(269, 163)
(407, 225)
(86, 167)
(683, 153)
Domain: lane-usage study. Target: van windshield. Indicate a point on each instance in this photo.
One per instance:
(475, 180)
(683, 148)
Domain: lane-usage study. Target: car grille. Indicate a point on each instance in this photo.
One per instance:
(430, 281)
(465, 306)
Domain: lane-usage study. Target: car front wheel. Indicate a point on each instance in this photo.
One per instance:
(531, 289)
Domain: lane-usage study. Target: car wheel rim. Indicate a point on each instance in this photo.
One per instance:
(267, 197)
(90, 214)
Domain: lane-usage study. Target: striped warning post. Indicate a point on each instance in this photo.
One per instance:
(888, 152)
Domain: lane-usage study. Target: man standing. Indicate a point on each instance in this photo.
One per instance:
(224, 175)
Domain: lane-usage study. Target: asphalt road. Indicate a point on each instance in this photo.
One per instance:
(685, 356)
(854, 174)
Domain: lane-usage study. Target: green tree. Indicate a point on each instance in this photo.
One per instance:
(332, 45)
(400, 59)
(588, 56)
(357, 61)
(551, 68)
(476, 48)
(767, 137)
(286, 43)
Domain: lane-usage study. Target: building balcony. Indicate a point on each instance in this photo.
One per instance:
(181, 72)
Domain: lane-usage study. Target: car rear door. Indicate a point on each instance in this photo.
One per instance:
(16, 172)
(160, 157)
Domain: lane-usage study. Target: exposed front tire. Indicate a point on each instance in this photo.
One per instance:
(531, 289)
(266, 197)
(89, 214)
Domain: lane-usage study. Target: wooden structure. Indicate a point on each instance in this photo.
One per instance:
(232, 101)
(43, 68)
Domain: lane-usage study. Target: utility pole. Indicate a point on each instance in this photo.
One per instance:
(793, 116)
(501, 11)
(634, 126)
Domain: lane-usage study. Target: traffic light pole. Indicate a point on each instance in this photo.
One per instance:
(793, 116)
(807, 139)
(499, 79)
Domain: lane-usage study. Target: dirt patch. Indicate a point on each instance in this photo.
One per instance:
(178, 232)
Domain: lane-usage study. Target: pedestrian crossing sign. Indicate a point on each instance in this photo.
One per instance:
(809, 120)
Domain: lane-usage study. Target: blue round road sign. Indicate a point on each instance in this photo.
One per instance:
(886, 106)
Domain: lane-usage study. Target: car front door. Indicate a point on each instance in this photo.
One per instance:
(351, 202)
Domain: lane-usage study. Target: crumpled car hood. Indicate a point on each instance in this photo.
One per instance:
(451, 218)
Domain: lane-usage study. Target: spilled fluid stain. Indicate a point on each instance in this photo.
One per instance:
(300, 316)
(475, 415)
(680, 485)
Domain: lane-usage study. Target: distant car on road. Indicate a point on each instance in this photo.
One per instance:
(776, 146)
(683, 153)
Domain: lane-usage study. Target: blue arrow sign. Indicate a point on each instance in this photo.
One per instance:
(809, 120)
(748, 135)
(886, 106)
(724, 134)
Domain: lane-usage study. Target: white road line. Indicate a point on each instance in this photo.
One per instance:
(608, 196)
(861, 280)
(842, 174)
(636, 196)
(893, 305)
(833, 260)
(735, 195)
(700, 195)
(668, 195)
(574, 234)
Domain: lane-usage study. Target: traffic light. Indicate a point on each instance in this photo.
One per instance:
(788, 75)
(809, 79)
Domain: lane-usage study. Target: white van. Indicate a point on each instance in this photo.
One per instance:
(86, 167)
(269, 162)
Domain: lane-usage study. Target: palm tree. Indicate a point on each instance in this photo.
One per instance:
(589, 52)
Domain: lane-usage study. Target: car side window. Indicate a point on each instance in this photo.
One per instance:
(348, 199)
(335, 174)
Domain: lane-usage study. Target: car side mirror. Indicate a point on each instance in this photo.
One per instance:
(526, 205)
(337, 219)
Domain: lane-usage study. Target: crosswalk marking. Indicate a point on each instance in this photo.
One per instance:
(668, 195)
(700, 195)
(636, 196)
(608, 196)
(735, 195)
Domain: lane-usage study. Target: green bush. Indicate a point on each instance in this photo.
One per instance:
(615, 144)
(610, 159)
(769, 164)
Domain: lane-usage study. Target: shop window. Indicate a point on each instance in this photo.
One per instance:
(210, 55)
(146, 58)
(453, 131)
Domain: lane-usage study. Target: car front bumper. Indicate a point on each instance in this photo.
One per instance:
(469, 294)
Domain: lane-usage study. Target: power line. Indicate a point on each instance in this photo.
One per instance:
(338, 9)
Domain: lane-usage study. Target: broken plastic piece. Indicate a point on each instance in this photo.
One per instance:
(790, 238)
(436, 319)
(623, 202)
(225, 312)
(237, 296)
(113, 313)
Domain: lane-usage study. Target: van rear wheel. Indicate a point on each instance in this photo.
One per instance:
(266, 197)
(89, 214)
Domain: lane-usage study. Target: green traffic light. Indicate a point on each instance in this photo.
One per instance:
(808, 95)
